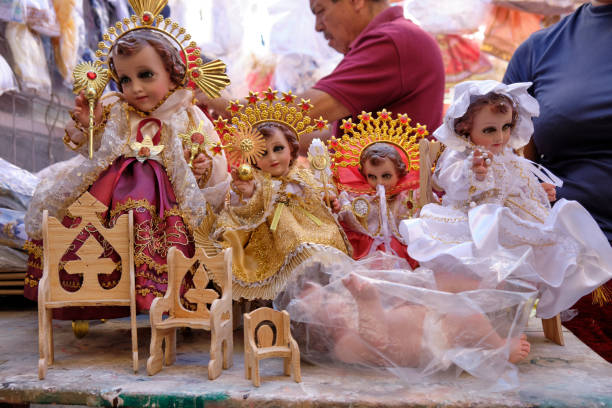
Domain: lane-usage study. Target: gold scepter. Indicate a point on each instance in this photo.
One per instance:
(92, 79)
(320, 163)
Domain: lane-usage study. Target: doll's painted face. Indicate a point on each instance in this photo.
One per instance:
(277, 157)
(143, 78)
(491, 129)
(384, 172)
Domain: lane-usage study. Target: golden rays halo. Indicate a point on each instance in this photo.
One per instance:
(246, 145)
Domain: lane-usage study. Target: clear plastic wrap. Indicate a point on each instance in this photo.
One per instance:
(454, 17)
(377, 313)
(72, 36)
(16, 186)
(40, 17)
(30, 64)
(12, 228)
(543, 7)
(7, 78)
(12, 10)
(12, 260)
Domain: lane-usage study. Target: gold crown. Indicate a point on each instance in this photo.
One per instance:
(369, 130)
(269, 108)
(209, 77)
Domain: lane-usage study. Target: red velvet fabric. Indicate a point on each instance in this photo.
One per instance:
(145, 189)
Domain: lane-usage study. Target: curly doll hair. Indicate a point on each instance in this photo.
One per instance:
(498, 104)
(376, 153)
(135, 41)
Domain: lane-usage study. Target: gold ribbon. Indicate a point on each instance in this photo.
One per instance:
(277, 215)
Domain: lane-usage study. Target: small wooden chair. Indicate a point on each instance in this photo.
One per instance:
(266, 335)
(218, 320)
(57, 240)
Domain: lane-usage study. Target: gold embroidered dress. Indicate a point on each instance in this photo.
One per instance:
(273, 249)
(138, 164)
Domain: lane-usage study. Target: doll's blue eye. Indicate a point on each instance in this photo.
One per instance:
(124, 80)
(279, 148)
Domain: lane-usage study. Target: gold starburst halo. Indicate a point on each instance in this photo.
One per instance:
(359, 136)
(210, 77)
(245, 145)
(88, 75)
(268, 107)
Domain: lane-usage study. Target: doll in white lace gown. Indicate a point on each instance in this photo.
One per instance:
(495, 221)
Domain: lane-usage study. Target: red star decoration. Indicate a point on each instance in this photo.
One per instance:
(347, 124)
(384, 115)
(421, 130)
(288, 97)
(321, 123)
(235, 106)
(365, 117)
(305, 105)
(403, 119)
(333, 142)
(270, 95)
(253, 97)
(217, 149)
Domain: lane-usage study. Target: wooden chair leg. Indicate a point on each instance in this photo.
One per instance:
(297, 374)
(170, 347)
(255, 372)
(154, 362)
(43, 343)
(287, 365)
(552, 330)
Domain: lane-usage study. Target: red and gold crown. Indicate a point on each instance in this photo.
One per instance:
(267, 107)
(209, 77)
(347, 150)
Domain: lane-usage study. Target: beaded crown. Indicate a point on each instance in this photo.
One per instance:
(359, 136)
(243, 142)
(209, 77)
(267, 107)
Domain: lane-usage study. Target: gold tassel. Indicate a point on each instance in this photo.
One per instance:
(602, 295)
(277, 215)
(212, 78)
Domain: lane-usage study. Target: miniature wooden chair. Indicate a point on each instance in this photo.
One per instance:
(428, 154)
(218, 320)
(57, 239)
(261, 341)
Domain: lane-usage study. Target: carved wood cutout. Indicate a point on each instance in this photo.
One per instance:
(90, 264)
(199, 294)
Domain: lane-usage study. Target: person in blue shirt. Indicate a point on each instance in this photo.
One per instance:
(570, 65)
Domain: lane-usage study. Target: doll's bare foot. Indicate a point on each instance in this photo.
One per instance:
(372, 318)
(361, 289)
(519, 349)
(308, 289)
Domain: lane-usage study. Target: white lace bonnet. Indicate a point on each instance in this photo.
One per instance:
(466, 92)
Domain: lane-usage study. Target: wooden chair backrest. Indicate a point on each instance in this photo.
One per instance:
(263, 322)
(428, 154)
(57, 239)
(216, 268)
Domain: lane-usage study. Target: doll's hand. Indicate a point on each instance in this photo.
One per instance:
(201, 164)
(245, 187)
(335, 204)
(81, 110)
(480, 164)
(551, 191)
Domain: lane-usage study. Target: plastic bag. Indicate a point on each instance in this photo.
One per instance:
(7, 78)
(12, 10)
(377, 313)
(30, 64)
(40, 17)
(543, 7)
(13, 260)
(452, 17)
(72, 36)
(16, 186)
(12, 228)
